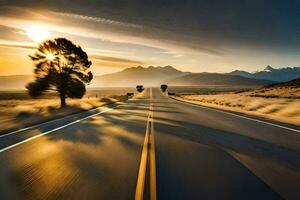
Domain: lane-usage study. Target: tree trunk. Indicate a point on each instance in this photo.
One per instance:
(62, 99)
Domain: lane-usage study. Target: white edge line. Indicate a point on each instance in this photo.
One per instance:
(41, 124)
(249, 118)
(56, 129)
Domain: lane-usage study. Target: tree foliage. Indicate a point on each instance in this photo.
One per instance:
(164, 87)
(62, 66)
(140, 88)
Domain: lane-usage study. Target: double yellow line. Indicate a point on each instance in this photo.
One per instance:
(147, 157)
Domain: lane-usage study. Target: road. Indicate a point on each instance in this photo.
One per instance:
(151, 145)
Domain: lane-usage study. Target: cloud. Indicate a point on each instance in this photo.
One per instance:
(103, 59)
(105, 30)
(173, 54)
(97, 19)
(17, 45)
(210, 34)
(115, 61)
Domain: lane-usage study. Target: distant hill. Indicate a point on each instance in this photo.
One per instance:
(153, 76)
(129, 77)
(241, 73)
(289, 89)
(14, 82)
(202, 79)
(269, 73)
(148, 76)
(293, 83)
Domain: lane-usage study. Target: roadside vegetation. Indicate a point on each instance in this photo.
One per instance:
(18, 109)
(140, 88)
(277, 102)
(62, 70)
(60, 66)
(164, 87)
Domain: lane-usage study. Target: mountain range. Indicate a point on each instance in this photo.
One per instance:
(215, 79)
(269, 73)
(295, 83)
(154, 76)
(133, 76)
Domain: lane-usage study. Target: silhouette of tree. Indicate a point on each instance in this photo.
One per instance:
(140, 88)
(163, 88)
(62, 66)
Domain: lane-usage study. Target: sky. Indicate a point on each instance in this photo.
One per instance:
(191, 35)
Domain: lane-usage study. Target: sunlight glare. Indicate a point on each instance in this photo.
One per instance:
(37, 33)
(50, 56)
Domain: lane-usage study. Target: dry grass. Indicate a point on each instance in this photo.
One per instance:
(275, 92)
(17, 110)
(280, 103)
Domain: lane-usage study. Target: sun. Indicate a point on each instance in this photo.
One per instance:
(50, 56)
(37, 33)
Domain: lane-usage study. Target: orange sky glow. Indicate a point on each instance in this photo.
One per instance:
(114, 45)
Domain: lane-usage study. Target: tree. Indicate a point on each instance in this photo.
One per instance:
(62, 66)
(164, 87)
(140, 88)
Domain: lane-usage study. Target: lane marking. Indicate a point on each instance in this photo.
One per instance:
(241, 116)
(139, 192)
(152, 161)
(56, 129)
(148, 152)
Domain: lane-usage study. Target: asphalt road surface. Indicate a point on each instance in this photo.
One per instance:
(151, 145)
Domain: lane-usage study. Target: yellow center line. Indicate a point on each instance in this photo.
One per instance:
(152, 160)
(142, 169)
(147, 151)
